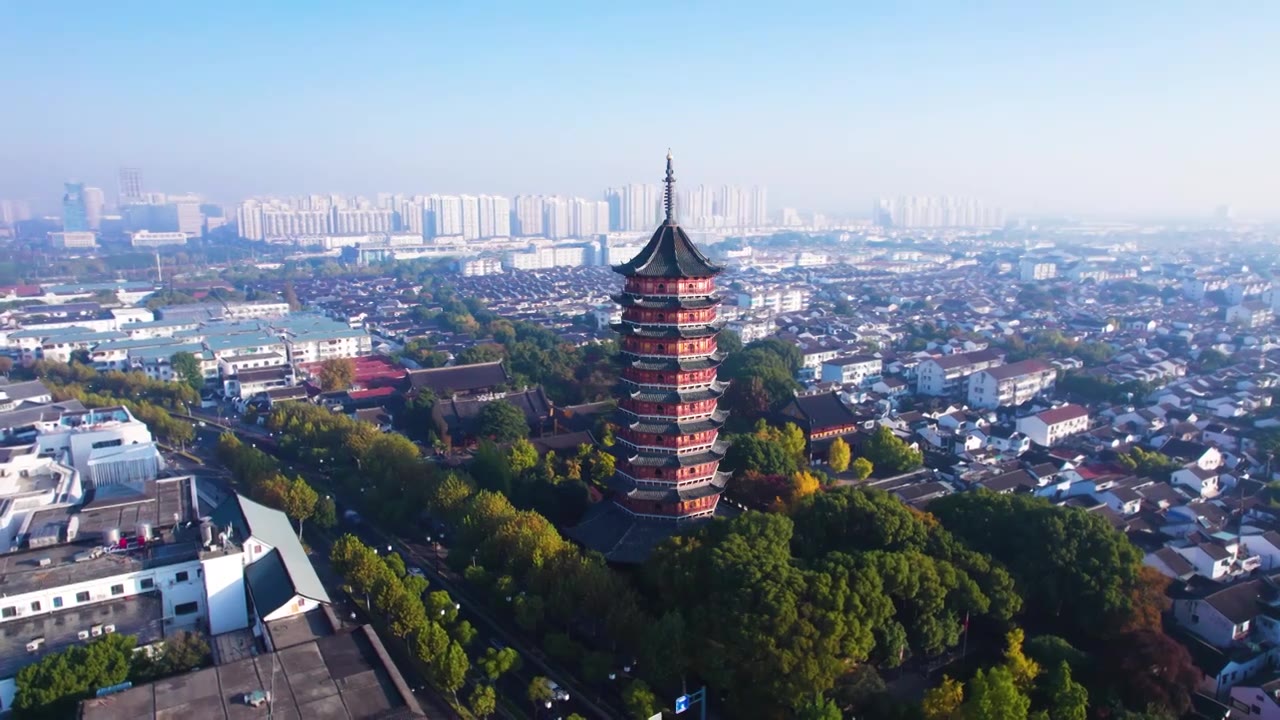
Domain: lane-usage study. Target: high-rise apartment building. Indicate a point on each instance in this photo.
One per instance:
(588, 217)
(470, 217)
(529, 215)
(95, 203)
(74, 215)
(495, 216)
(130, 190)
(728, 206)
(249, 220)
(409, 212)
(555, 217)
(13, 212)
(443, 216)
(934, 212)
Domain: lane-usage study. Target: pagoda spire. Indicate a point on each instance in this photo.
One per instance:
(670, 196)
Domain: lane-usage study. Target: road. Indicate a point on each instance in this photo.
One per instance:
(490, 630)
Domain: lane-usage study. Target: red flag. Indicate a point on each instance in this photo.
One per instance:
(966, 623)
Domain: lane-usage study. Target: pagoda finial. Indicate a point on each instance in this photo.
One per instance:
(670, 197)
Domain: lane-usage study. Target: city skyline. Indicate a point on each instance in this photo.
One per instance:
(1132, 111)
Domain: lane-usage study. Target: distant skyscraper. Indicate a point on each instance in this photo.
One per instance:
(75, 217)
(914, 211)
(249, 220)
(555, 217)
(470, 214)
(443, 216)
(130, 186)
(640, 207)
(95, 202)
(495, 216)
(529, 215)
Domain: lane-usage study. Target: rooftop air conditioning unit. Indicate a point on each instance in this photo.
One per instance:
(96, 630)
(108, 629)
(83, 635)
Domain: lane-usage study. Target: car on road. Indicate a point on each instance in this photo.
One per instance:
(417, 572)
(558, 693)
(497, 644)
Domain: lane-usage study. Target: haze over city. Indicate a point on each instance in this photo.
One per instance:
(1141, 111)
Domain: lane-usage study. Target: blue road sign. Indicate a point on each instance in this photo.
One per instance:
(682, 704)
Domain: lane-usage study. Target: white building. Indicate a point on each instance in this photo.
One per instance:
(480, 266)
(1030, 269)
(1011, 384)
(786, 300)
(1050, 427)
(74, 239)
(1250, 314)
(947, 374)
(83, 575)
(495, 216)
(146, 238)
(857, 370)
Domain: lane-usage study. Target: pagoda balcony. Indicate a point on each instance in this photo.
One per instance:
(669, 287)
(717, 477)
(710, 450)
(680, 363)
(671, 446)
(669, 318)
(668, 331)
(663, 349)
(671, 302)
(670, 406)
(687, 379)
(658, 425)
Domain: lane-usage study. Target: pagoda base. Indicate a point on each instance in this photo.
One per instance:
(625, 538)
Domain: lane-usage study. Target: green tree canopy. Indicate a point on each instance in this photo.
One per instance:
(187, 367)
(890, 453)
(502, 422)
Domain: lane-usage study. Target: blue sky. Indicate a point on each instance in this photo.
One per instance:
(1119, 109)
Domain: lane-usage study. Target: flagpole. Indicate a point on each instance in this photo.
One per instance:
(965, 648)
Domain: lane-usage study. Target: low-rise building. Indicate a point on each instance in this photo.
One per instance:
(1050, 427)
(947, 374)
(858, 370)
(1011, 384)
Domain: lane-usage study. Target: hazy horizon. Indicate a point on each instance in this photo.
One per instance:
(1143, 110)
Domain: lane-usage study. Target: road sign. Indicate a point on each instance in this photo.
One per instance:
(682, 704)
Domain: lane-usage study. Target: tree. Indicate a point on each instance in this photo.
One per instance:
(494, 663)
(1148, 668)
(521, 456)
(502, 422)
(450, 669)
(1068, 700)
(187, 367)
(51, 687)
(943, 702)
(483, 700)
(300, 501)
(539, 692)
(861, 468)
(291, 296)
(639, 700)
(1024, 669)
(326, 515)
(890, 453)
(838, 455)
(819, 708)
(993, 694)
(337, 374)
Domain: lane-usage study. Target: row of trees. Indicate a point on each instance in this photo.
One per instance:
(260, 474)
(1009, 690)
(427, 623)
(52, 687)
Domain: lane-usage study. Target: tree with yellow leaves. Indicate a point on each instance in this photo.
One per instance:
(803, 484)
(1024, 669)
(943, 702)
(839, 455)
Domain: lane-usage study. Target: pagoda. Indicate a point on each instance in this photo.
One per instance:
(667, 446)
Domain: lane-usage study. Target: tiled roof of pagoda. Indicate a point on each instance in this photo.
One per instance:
(669, 254)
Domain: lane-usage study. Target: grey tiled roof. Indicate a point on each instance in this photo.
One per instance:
(669, 254)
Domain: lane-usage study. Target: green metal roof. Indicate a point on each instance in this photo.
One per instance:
(290, 572)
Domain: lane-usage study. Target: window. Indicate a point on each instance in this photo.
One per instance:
(1255, 710)
(35, 606)
(9, 612)
(186, 608)
(57, 602)
(146, 583)
(82, 596)
(117, 589)
(181, 577)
